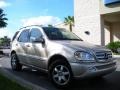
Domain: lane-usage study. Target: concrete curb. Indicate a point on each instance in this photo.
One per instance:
(2, 55)
(117, 57)
(20, 81)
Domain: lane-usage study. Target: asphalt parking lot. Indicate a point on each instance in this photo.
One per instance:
(109, 82)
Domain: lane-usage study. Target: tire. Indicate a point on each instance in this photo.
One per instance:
(16, 66)
(60, 74)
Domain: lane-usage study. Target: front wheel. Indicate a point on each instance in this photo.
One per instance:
(15, 63)
(60, 73)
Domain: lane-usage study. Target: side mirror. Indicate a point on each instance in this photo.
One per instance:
(41, 40)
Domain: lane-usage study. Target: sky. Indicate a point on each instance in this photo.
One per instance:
(28, 12)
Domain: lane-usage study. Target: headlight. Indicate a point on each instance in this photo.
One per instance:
(80, 55)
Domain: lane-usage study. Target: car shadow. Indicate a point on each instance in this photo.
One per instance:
(108, 82)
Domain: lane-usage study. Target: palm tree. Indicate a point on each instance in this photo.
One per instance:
(3, 19)
(69, 21)
(3, 23)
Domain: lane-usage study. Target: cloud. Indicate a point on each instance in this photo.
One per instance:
(3, 4)
(5, 32)
(41, 20)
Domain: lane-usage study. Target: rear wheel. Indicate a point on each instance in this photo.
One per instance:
(60, 73)
(15, 63)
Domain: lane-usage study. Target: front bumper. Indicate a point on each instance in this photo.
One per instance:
(82, 70)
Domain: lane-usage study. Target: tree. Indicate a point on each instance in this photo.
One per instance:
(3, 24)
(69, 21)
(5, 41)
(3, 19)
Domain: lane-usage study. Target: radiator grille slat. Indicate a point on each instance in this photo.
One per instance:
(103, 56)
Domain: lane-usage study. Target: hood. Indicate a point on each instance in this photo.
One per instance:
(80, 45)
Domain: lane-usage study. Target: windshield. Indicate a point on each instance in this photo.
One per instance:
(59, 34)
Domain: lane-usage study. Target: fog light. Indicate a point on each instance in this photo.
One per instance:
(92, 68)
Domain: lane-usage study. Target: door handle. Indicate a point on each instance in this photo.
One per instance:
(27, 45)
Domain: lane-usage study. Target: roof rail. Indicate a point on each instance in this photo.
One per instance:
(30, 26)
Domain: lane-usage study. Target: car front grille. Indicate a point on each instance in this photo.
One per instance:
(104, 56)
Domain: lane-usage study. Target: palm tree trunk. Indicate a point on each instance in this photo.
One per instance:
(70, 28)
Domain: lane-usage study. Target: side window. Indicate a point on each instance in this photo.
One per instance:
(24, 36)
(35, 34)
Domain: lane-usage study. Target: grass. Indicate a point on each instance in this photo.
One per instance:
(6, 84)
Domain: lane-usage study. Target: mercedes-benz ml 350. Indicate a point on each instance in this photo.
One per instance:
(60, 53)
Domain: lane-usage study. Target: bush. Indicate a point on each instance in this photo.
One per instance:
(114, 46)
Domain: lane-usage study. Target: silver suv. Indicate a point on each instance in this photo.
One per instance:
(60, 53)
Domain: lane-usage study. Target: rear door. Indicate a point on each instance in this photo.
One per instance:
(22, 44)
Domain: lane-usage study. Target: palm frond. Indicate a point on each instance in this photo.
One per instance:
(69, 20)
(3, 19)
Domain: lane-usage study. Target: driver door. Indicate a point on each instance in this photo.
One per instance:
(36, 50)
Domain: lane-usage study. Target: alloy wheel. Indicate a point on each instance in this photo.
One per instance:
(61, 74)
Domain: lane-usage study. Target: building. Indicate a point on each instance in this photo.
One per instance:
(97, 21)
(62, 25)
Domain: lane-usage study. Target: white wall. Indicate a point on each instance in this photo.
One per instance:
(62, 25)
(87, 18)
(116, 31)
(107, 34)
